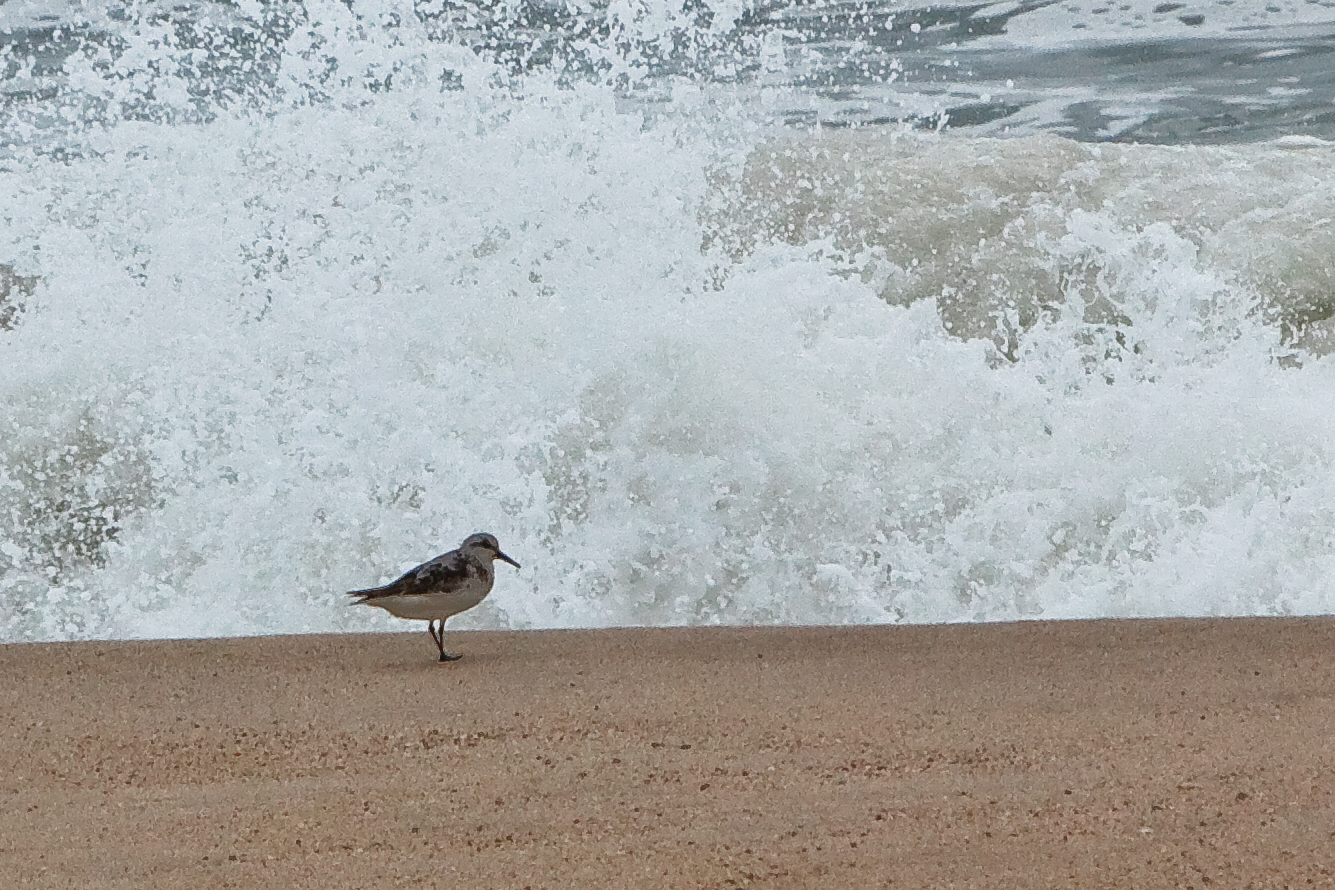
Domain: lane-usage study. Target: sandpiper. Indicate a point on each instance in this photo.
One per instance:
(447, 585)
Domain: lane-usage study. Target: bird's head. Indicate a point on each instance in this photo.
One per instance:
(487, 547)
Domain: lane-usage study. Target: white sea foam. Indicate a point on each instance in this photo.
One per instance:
(687, 370)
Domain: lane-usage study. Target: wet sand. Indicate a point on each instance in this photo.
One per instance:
(1092, 754)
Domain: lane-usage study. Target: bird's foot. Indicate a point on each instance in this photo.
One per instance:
(445, 656)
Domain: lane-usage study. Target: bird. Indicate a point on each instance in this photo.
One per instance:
(447, 585)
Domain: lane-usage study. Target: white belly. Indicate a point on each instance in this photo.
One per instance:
(426, 607)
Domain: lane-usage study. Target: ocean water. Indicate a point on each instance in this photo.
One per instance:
(714, 312)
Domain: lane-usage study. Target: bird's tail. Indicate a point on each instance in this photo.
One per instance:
(362, 596)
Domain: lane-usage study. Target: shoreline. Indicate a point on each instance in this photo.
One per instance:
(1140, 752)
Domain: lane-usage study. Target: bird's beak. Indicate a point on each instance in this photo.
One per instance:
(500, 555)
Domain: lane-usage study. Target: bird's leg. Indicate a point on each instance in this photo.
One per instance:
(439, 637)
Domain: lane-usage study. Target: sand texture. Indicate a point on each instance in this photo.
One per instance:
(1088, 754)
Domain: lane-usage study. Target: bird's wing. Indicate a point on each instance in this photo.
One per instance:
(442, 573)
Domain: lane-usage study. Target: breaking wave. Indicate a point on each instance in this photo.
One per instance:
(281, 321)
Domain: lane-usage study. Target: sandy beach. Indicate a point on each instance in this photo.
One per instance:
(1187, 753)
